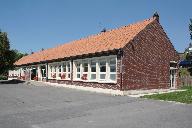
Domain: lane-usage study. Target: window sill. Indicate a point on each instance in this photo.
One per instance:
(63, 79)
(94, 81)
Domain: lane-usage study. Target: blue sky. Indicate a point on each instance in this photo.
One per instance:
(35, 24)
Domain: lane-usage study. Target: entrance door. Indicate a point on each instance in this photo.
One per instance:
(33, 73)
(172, 78)
(43, 72)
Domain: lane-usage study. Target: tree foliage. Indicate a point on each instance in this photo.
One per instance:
(190, 28)
(7, 56)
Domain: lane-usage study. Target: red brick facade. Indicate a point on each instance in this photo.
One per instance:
(146, 60)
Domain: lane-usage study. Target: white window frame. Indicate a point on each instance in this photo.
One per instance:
(62, 64)
(53, 70)
(93, 73)
(67, 70)
(97, 60)
(59, 71)
(85, 61)
(102, 73)
(109, 66)
(76, 71)
(64, 72)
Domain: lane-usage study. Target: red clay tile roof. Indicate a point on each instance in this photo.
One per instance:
(105, 41)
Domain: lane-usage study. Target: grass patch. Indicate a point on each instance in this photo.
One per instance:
(183, 97)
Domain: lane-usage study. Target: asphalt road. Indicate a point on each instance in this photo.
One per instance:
(27, 106)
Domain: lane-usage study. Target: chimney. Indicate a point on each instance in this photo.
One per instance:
(156, 16)
(104, 30)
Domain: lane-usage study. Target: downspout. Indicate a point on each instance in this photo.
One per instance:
(120, 53)
(71, 71)
(47, 72)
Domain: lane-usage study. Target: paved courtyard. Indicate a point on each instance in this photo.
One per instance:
(28, 106)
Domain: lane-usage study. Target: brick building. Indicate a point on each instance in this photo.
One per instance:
(136, 56)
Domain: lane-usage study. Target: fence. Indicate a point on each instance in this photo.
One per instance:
(185, 80)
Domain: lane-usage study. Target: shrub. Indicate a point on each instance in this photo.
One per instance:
(184, 72)
(3, 77)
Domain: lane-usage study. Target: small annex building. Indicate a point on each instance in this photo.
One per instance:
(136, 56)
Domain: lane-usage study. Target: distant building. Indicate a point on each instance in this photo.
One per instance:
(189, 48)
(186, 57)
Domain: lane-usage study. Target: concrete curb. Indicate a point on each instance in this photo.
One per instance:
(131, 93)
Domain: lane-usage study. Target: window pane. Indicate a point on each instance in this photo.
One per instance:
(78, 75)
(78, 64)
(113, 76)
(112, 68)
(102, 63)
(64, 67)
(59, 68)
(78, 69)
(85, 67)
(102, 76)
(93, 63)
(102, 68)
(93, 69)
(69, 75)
(68, 67)
(85, 64)
(51, 68)
(93, 66)
(93, 76)
(55, 68)
(113, 61)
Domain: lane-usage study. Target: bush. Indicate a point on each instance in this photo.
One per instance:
(3, 78)
(184, 72)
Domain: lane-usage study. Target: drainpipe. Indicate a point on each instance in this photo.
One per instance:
(47, 72)
(120, 53)
(72, 71)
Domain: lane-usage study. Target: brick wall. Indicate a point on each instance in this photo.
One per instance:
(146, 59)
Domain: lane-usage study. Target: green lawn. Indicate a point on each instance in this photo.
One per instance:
(183, 96)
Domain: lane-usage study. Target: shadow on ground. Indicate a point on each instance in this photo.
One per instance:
(11, 81)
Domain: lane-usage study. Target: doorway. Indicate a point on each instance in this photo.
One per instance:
(33, 73)
(173, 78)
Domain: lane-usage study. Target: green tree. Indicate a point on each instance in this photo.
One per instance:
(7, 56)
(5, 53)
(18, 55)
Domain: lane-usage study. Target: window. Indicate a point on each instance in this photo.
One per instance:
(54, 72)
(85, 70)
(93, 70)
(78, 70)
(43, 71)
(112, 71)
(59, 71)
(102, 67)
(68, 70)
(64, 67)
(51, 69)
